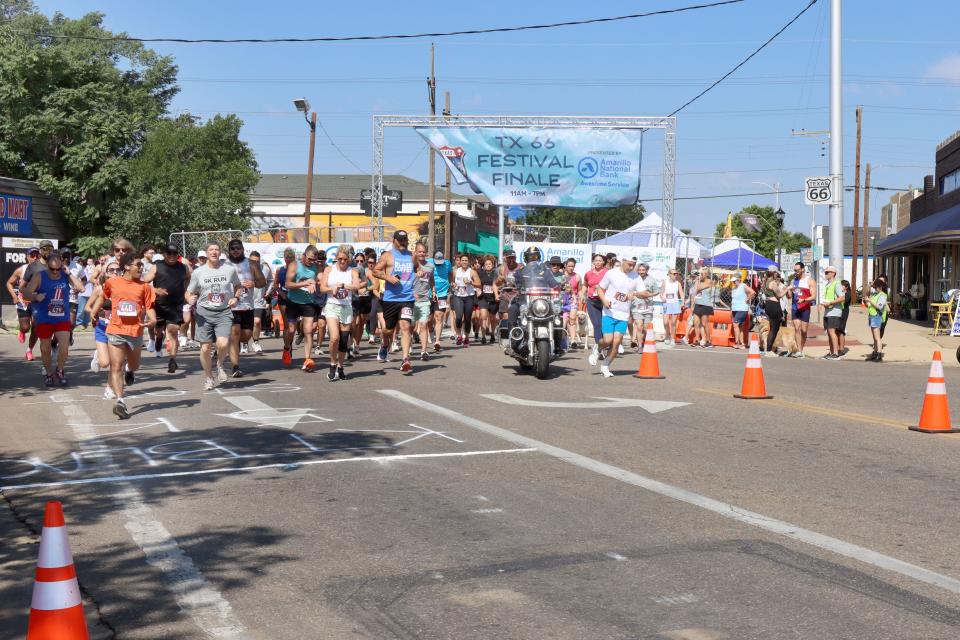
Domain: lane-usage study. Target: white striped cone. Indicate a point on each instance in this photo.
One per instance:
(753, 387)
(56, 611)
(935, 415)
(649, 361)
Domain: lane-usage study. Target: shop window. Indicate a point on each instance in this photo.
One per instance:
(950, 182)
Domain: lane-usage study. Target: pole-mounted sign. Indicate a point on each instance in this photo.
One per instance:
(818, 190)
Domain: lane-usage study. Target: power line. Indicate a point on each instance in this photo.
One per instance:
(339, 150)
(532, 27)
(744, 61)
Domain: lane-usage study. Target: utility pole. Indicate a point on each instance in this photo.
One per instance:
(447, 231)
(866, 236)
(856, 207)
(836, 134)
(431, 194)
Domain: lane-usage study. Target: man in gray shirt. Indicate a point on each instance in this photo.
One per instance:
(215, 289)
(423, 288)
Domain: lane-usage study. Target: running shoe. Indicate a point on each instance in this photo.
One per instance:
(243, 349)
(620, 350)
(844, 352)
(436, 347)
(594, 356)
(405, 366)
(707, 345)
(466, 341)
(332, 374)
(372, 340)
(120, 410)
(459, 341)
(71, 338)
(318, 350)
(208, 384)
(424, 356)
(383, 355)
(287, 357)
(182, 340)
(94, 364)
(395, 347)
(341, 375)
(605, 370)
(221, 375)
(128, 377)
(48, 380)
(236, 373)
(61, 377)
(483, 340)
(308, 365)
(350, 356)
(299, 339)
(29, 356)
(21, 336)
(829, 356)
(256, 347)
(108, 394)
(172, 366)
(151, 347)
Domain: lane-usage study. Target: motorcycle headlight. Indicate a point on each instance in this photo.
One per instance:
(557, 306)
(540, 308)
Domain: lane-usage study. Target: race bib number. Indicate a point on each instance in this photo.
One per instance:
(406, 313)
(364, 293)
(215, 298)
(56, 309)
(620, 297)
(488, 288)
(461, 291)
(341, 294)
(127, 309)
(671, 296)
(442, 303)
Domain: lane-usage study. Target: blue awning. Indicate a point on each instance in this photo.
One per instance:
(741, 258)
(940, 227)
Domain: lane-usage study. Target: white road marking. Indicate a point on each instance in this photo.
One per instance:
(487, 511)
(253, 410)
(819, 540)
(482, 498)
(139, 425)
(652, 406)
(615, 556)
(208, 608)
(277, 465)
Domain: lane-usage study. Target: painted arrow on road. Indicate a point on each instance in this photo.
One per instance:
(651, 406)
(253, 410)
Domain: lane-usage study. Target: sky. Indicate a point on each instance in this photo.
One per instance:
(901, 62)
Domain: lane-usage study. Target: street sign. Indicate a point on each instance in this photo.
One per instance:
(818, 190)
(392, 201)
(810, 255)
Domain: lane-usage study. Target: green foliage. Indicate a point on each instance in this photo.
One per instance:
(618, 218)
(766, 238)
(187, 176)
(72, 112)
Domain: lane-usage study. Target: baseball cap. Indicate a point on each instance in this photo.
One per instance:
(509, 253)
(438, 255)
(171, 248)
(556, 260)
(829, 268)
(201, 254)
(33, 250)
(773, 268)
(644, 264)
(45, 244)
(630, 259)
(400, 235)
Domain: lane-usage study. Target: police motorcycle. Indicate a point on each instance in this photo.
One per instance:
(534, 332)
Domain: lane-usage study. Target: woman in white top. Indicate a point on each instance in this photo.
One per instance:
(339, 281)
(466, 282)
(672, 295)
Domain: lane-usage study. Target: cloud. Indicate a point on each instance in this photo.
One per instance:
(947, 68)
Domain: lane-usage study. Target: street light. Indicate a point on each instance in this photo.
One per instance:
(781, 214)
(303, 105)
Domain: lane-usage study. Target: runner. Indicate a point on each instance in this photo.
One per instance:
(188, 330)
(338, 282)
(250, 278)
(14, 283)
(261, 304)
(170, 278)
(280, 283)
(571, 301)
(803, 294)
(131, 300)
(396, 269)
(362, 303)
(49, 291)
(641, 309)
(441, 307)
(101, 356)
(73, 267)
(215, 289)
(424, 289)
(617, 289)
(594, 304)
(488, 298)
(465, 283)
(301, 284)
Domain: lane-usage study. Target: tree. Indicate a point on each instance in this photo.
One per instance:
(72, 111)
(187, 176)
(766, 238)
(618, 218)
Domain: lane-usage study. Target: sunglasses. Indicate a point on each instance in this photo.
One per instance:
(55, 270)
(236, 248)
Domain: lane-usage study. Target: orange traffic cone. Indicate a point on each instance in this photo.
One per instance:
(649, 363)
(935, 416)
(56, 612)
(753, 386)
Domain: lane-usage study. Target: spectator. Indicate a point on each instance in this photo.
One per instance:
(876, 316)
(703, 308)
(740, 295)
(773, 291)
(833, 297)
(802, 293)
(842, 331)
(672, 301)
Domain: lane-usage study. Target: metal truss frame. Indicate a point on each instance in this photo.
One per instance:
(667, 123)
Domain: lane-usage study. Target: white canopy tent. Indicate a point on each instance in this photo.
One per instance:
(646, 233)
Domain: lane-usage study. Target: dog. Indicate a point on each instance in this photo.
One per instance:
(786, 338)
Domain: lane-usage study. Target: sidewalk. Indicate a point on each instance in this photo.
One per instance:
(906, 341)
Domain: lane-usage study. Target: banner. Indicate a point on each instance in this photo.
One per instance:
(579, 252)
(16, 215)
(577, 168)
(272, 252)
(660, 260)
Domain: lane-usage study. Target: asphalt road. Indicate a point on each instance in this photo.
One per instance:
(470, 500)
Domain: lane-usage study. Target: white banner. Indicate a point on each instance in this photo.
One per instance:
(579, 252)
(660, 260)
(272, 252)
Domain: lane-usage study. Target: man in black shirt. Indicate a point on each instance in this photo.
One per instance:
(170, 278)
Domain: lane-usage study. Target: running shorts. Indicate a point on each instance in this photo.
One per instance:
(244, 318)
(295, 311)
(213, 324)
(394, 311)
(46, 330)
(169, 314)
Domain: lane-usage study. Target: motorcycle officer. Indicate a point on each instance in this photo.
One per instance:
(533, 270)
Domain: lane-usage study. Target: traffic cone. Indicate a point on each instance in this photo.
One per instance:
(935, 416)
(649, 363)
(753, 386)
(56, 612)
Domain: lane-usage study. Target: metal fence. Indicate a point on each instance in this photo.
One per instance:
(192, 242)
(546, 233)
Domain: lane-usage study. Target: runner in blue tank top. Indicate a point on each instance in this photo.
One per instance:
(396, 268)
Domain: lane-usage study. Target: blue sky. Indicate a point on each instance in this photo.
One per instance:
(901, 62)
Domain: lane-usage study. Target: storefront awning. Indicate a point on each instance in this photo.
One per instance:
(940, 227)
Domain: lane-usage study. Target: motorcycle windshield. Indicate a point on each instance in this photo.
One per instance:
(536, 278)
